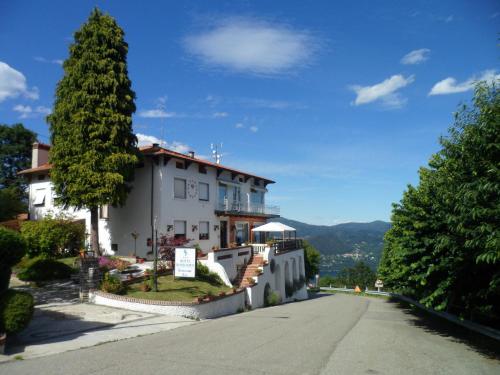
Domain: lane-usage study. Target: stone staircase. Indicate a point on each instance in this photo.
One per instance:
(249, 271)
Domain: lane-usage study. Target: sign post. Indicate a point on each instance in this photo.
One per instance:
(379, 284)
(185, 262)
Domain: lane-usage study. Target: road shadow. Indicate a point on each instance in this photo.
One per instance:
(49, 326)
(439, 326)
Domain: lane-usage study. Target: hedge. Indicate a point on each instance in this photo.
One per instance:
(12, 249)
(53, 237)
(16, 311)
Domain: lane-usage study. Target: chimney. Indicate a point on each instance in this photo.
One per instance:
(191, 154)
(39, 155)
(156, 145)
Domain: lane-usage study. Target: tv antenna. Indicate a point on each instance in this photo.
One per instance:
(216, 153)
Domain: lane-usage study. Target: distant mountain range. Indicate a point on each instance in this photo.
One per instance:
(342, 244)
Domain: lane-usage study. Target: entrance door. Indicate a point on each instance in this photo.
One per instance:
(223, 234)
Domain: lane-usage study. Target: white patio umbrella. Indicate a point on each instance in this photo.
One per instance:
(275, 227)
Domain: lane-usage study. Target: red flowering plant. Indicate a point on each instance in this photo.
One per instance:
(167, 245)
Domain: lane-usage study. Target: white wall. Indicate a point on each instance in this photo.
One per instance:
(276, 280)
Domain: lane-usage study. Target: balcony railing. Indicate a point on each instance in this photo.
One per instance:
(282, 246)
(247, 208)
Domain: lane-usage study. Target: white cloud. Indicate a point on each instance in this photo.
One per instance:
(385, 91)
(252, 46)
(451, 86)
(416, 57)
(145, 140)
(13, 84)
(220, 114)
(47, 61)
(254, 129)
(26, 111)
(239, 125)
(157, 113)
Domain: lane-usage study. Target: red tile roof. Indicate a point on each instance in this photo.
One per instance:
(154, 150)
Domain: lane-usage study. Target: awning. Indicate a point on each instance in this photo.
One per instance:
(274, 227)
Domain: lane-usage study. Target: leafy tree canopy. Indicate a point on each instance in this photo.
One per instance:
(311, 260)
(15, 154)
(444, 246)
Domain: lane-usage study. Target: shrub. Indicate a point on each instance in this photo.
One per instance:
(111, 263)
(16, 310)
(45, 270)
(204, 274)
(289, 289)
(12, 249)
(273, 299)
(53, 237)
(112, 284)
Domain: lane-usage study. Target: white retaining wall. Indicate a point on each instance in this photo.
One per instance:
(229, 304)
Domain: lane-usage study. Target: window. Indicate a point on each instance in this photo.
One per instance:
(40, 197)
(179, 165)
(204, 230)
(179, 188)
(236, 194)
(256, 197)
(103, 212)
(203, 191)
(202, 169)
(179, 229)
(222, 192)
(41, 177)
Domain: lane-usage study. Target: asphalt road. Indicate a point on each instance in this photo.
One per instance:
(337, 334)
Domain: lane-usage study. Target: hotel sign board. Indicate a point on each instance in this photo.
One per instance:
(185, 262)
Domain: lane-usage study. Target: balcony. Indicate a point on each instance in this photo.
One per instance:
(246, 208)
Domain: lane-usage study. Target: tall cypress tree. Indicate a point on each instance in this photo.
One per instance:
(93, 147)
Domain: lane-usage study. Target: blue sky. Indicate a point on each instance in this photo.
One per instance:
(339, 101)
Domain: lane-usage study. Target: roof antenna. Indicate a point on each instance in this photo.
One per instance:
(215, 152)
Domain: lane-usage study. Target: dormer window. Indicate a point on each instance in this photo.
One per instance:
(179, 165)
(202, 169)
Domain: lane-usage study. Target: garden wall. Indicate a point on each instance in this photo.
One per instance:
(226, 305)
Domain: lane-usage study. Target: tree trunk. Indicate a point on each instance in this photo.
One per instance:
(94, 230)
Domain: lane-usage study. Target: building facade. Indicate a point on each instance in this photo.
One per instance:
(172, 194)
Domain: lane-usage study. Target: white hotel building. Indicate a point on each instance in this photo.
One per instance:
(180, 195)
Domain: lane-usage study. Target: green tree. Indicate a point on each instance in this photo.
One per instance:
(15, 154)
(12, 203)
(360, 275)
(311, 260)
(93, 147)
(444, 246)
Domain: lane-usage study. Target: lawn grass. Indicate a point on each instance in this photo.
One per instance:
(183, 290)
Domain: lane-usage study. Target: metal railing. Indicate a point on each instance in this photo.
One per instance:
(247, 207)
(282, 246)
